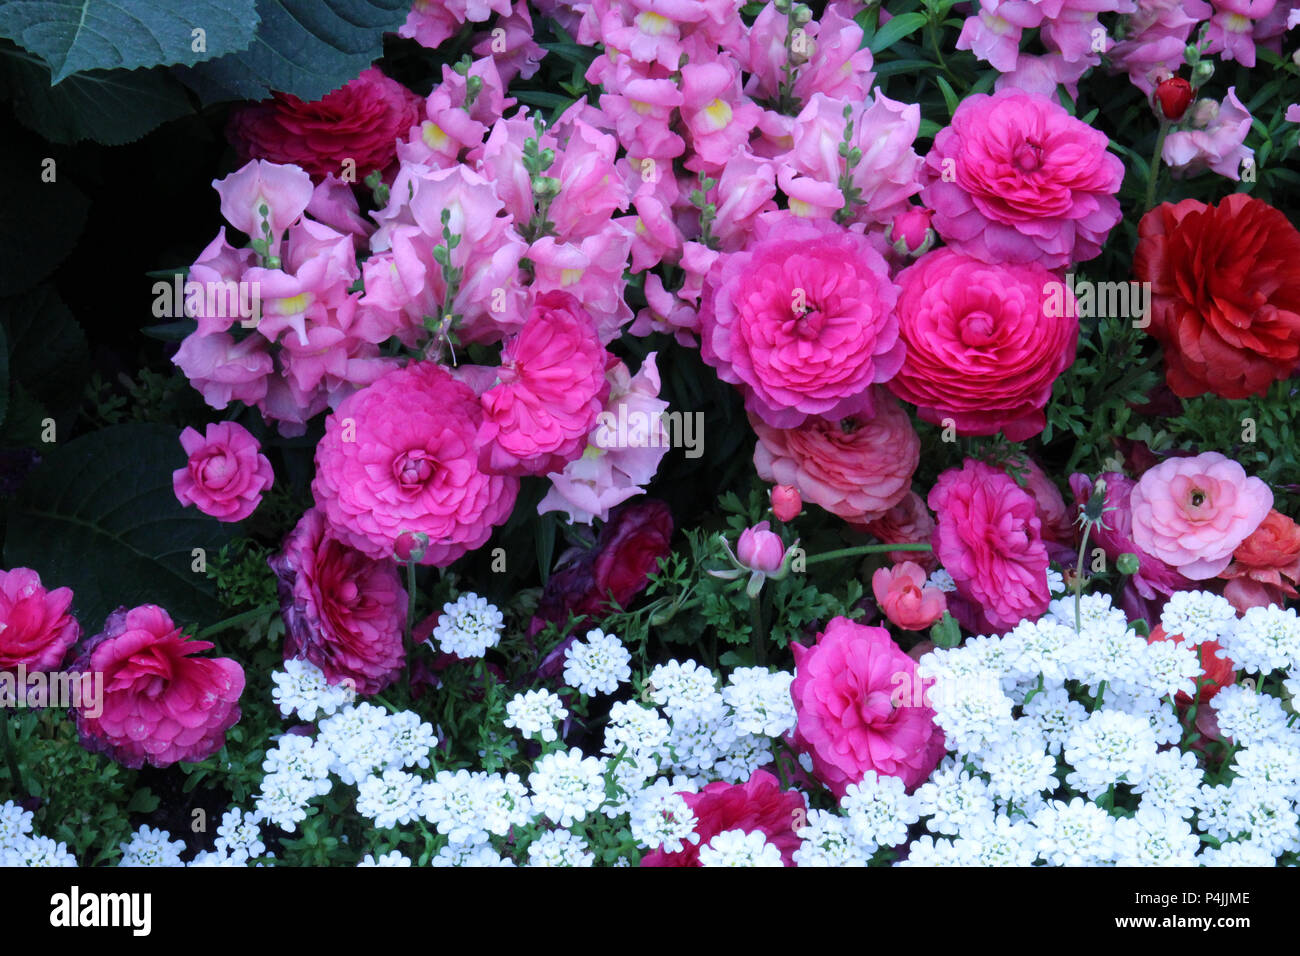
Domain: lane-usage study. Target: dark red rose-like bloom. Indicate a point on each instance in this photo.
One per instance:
(343, 611)
(1225, 294)
(757, 804)
(161, 704)
(361, 121)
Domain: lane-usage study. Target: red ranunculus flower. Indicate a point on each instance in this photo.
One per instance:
(1266, 566)
(161, 704)
(1225, 294)
(361, 122)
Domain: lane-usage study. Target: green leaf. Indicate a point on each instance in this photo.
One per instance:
(304, 47)
(99, 516)
(39, 221)
(47, 347)
(896, 29)
(75, 35)
(112, 107)
(171, 331)
(949, 96)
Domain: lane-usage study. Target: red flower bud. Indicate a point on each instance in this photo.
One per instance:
(786, 503)
(1175, 95)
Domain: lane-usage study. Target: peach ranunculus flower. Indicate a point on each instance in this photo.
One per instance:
(905, 598)
(1192, 513)
(1266, 566)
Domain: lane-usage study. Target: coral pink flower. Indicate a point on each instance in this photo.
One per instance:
(1017, 179)
(1266, 566)
(400, 455)
(1193, 513)
(846, 696)
(786, 502)
(908, 522)
(803, 320)
(984, 343)
(551, 387)
(161, 704)
(757, 804)
(283, 191)
(857, 468)
(358, 124)
(343, 611)
(905, 599)
(760, 548)
(1115, 535)
(989, 538)
(226, 474)
(36, 629)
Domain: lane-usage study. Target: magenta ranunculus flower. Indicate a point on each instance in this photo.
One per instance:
(161, 704)
(983, 344)
(989, 538)
(226, 474)
(802, 320)
(401, 455)
(36, 629)
(343, 611)
(847, 697)
(1016, 178)
(858, 467)
(1192, 513)
(550, 388)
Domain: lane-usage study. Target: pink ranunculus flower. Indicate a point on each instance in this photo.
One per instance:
(760, 548)
(803, 320)
(400, 455)
(989, 538)
(551, 386)
(343, 611)
(757, 804)
(1218, 145)
(161, 704)
(905, 598)
(623, 451)
(1192, 513)
(846, 694)
(858, 467)
(36, 628)
(226, 474)
(1017, 179)
(984, 342)
(1115, 535)
(283, 191)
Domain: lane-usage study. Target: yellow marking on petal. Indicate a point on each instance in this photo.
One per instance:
(718, 113)
(433, 135)
(640, 226)
(593, 452)
(800, 208)
(653, 23)
(294, 304)
(998, 25)
(570, 276)
(1237, 23)
(640, 107)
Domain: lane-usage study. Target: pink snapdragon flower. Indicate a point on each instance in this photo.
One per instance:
(283, 191)
(1157, 34)
(1192, 513)
(551, 385)
(431, 22)
(803, 320)
(1232, 28)
(226, 474)
(1017, 179)
(718, 117)
(989, 538)
(846, 696)
(224, 370)
(1219, 142)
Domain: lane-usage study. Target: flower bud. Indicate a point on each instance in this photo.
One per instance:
(786, 502)
(1204, 113)
(760, 549)
(1174, 96)
(410, 546)
(910, 232)
(1127, 563)
(1202, 72)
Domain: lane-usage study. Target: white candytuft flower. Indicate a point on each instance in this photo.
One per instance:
(1110, 747)
(1265, 640)
(1078, 833)
(829, 841)
(240, 833)
(567, 786)
(535, 713)
(598, 664)
(662, 821)
(391, 858)
(391, 799)
(738, 848)
(879, 810)
(760, 701)
(560, 848)
(1198, 616)
(150, 847)
(301, 688)
(468, 626)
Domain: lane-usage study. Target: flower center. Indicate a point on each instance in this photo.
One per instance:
(1028, 156)
(414, 468)
(1196, 498)
(977, 328)
(216, 469)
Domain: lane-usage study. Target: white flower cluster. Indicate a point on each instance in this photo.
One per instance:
(20, 847)
(468, 626)
(301, 689)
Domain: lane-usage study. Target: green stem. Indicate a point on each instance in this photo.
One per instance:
(866, 549)
(10, 757)
(758, 638)
(1078, 575)
(1155, 166)
(1101, 692)
(241, 618)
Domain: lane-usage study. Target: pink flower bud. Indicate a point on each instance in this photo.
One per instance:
(760, 549)
(410, 546)
(786, 502)
(911, 233)
(905, 598)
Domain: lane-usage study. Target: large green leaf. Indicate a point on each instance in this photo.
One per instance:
(305, 47)
(39, 221)
(108, 106)
(99, 515)
(76, 35)
(47, 348)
